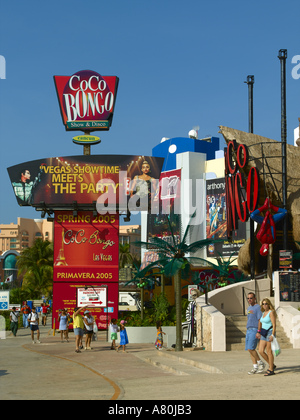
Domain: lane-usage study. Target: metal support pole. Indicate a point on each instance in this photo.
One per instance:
(282, 57)
(87, 147)
(250, 83)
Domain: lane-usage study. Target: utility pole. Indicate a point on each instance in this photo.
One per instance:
(250, 83)
(282, 57)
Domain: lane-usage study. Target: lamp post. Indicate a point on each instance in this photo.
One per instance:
(282, 55)
(250, 83)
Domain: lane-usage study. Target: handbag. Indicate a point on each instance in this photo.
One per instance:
(264, 332)
(275, 347)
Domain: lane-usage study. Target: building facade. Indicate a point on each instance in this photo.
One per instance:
(20, 235)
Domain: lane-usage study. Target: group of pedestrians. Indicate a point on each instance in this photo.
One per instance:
(81, 324)
(26, 311)
(30, 320)
(261, 329)
(114, 329)
(86, 325)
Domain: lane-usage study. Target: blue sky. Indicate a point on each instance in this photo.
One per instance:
(180, 64)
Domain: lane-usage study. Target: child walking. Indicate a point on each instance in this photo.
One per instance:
(113, 328)
(159, 336)
(123, 336)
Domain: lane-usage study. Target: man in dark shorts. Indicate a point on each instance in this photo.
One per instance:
(33, 320)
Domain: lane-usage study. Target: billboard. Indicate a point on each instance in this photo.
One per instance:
(216, 221)
(169, 207)
(110, 181)
(86, 100)
(86, 264)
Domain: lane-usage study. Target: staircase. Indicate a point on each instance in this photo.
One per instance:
(236, 333)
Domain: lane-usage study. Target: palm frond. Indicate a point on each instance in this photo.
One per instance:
(157, 245)
(202, 243)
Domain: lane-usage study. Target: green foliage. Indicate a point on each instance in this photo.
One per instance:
(161, 311)
(18, 295)
(36, 264)
(161, 307)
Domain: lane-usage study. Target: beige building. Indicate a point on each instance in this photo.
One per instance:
(20, 235)
(129, 234)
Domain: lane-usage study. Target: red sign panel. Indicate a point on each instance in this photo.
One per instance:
(86, 256)
(86, 100)
(86, 240)
(65, 297)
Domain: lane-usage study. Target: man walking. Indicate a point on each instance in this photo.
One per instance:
(14, 321)
(26, 311)
(34, 325)
(254, 314)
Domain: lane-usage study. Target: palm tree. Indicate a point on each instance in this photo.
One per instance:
(175, 263)
(225, 273)
(36, 264)
(141, 282)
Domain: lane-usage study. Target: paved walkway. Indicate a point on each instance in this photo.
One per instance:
(53, 371)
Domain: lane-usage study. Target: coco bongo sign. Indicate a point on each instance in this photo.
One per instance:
(236, 160)
(86, 100)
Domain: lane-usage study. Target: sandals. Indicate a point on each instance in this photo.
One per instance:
(269, 373)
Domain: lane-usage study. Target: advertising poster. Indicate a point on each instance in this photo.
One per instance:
(285, 259)
(289, 286)
(109, 182)
(86, 263)
(169, 205)
(216, 223)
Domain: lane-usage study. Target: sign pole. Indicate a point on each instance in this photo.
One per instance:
(282, 57)
(87, 147)
(250, 83)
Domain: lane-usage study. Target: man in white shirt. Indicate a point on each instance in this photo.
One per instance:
(33, 320)
(13, 316)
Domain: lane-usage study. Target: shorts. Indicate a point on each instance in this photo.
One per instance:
(34, 327)
(251, 340)
(268, 335)
(89, 332)
(78, 331)
(113, 336)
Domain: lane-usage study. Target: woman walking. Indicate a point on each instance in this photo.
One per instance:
(266, 331)
(63, 325)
